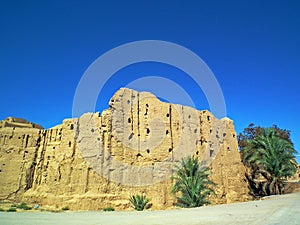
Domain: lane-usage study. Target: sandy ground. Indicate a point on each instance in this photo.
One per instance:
(283, 209)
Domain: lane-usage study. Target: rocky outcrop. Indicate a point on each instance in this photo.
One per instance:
(97, 160)
(18, 122)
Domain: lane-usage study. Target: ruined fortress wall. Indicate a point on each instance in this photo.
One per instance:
(18, 147)
(97, 160)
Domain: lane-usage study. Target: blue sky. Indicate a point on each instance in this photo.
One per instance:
(252, 47)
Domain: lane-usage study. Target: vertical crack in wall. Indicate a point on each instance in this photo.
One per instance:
(26, 140)
(138, 115)
(171, 131)
(222, 177)
(109, 146)
(131, 110)
(87, 180)
(73, 150)
(58, 172)
(41, 158)
(31, 170)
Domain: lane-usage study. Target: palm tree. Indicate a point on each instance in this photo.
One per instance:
(139, 202)
(271, 157)
(191, 181)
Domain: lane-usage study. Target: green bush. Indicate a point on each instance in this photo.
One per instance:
(139, 202)
(2, 210)
(23, 206)
(65, 208)
(107, 209)
(11, 209)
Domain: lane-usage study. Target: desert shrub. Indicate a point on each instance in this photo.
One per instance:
(139, 202)
(65, 208)
(23, 206)
(107, 209)
(11, 209)
(2, 210)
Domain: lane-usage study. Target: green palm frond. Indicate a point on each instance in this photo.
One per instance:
(192, 182)
(139, 202)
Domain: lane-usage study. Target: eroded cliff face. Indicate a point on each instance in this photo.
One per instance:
(97, 161)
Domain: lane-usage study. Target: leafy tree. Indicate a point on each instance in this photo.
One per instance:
(270, 155)
(192, 182)
(139, 202)
(252, 131)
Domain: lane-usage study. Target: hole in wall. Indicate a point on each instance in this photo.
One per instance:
(167, 115)
(148, 151)
(148, 131)
(130, 136)
(129, 120)
(71, 126)
(170, 149)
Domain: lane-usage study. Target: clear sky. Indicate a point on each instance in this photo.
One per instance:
(252, 47)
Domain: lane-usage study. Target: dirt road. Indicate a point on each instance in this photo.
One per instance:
(283, 209)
